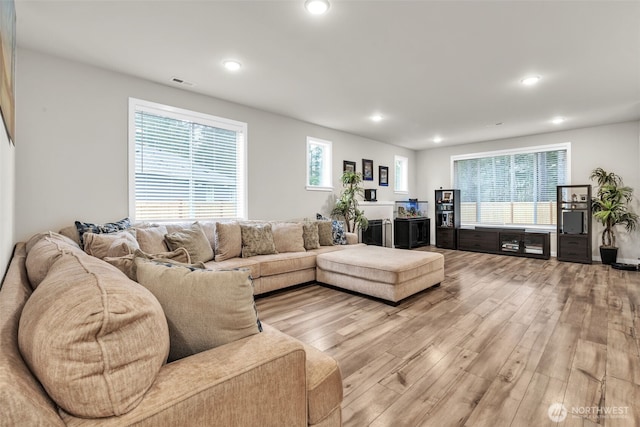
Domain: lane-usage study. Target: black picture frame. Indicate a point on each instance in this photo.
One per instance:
(383, 176)
(367, 170)
(348, 166)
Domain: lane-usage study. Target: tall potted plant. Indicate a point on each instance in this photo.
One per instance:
(610, 207)
(347, 204)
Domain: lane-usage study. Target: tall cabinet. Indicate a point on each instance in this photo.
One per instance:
(447, 218)
(574, 223)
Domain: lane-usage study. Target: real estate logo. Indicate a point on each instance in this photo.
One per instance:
(557, 412)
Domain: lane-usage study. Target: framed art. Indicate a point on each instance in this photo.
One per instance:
(446, 197)
(7, 66)
(348, 166)
(383, 175)
(367, 170)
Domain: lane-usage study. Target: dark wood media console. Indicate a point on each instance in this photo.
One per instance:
(504, 241)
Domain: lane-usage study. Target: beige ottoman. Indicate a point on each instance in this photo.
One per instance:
(390, 274)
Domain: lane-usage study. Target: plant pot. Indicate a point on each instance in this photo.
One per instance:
(608, 254)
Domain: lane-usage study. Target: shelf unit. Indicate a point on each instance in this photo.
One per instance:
(574, 223)
(530, 244)
(447, 218)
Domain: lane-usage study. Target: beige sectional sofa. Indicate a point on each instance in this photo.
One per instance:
(117, 351)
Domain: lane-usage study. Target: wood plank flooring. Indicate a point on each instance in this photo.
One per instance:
(500, 340)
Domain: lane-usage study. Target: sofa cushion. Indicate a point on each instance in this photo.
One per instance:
(193, 240)
(151, 239)
(257, 240)
(94, 339)
(234, 263)
(287, 237)
(228, 240)
(204, 308)
(109, 227)
(111, 244)
(310, 235)
(270, 265)
(43, 251)
(127, 264)
(325, 233)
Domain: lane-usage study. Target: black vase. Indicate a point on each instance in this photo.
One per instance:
(608, 255)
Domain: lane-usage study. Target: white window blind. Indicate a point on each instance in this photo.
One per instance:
(187, 165)
(511, 188)
(319, 161)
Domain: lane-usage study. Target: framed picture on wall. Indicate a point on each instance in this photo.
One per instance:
(367, 170)
(348, 166)
(383, 175)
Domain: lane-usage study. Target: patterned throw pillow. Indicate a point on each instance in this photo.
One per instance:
(325, 232)
(310, 235)
(337, 229)
(109, 227)
(257, 240)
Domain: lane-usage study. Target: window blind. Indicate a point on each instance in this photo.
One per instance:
(511, 188)
(185, 169)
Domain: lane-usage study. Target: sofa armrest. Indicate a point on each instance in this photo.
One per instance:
(259, 380)
(352, 238)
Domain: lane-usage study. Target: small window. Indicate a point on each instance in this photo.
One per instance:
(402, 174)
(319, 163)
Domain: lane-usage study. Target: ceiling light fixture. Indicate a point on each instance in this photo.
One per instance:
(437, 139)
(376, 118)
(531, 80)
(316, 7)
(232, 65)
(557, 120)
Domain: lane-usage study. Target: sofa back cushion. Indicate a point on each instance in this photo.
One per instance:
(151, 239)
(287, 237)
(204, 308)
(95, 339)
(228, 240)
(104, 245)
(194, 240)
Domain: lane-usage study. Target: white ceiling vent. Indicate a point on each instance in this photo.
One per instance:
(181, 82)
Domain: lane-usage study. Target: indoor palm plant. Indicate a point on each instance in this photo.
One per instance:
(610, 207)
(347, 203)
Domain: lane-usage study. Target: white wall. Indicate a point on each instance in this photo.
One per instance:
(72, 157)
(616, 148)
(7, 201)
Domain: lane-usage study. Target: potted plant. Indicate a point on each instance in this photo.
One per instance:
(610, 208)
(347, 204)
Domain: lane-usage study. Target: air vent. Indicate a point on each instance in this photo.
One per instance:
(181, 82)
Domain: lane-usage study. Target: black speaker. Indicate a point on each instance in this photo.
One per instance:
(370, 195)
(573, 222)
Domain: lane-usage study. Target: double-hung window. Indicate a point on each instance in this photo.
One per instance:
(319, 161)
(511, 187)
(401, 184)
(185, 165)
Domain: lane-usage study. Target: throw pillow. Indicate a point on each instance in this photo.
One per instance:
(310, 235)
(111, 244)
(127, 264)
(94, 339)
(109, 227)
(325, 233)
(257, 240)
(193, 240)
(288, 237)
(151, 239)
(228, 240)
(204, 308)
(43, 251)
(339, 235)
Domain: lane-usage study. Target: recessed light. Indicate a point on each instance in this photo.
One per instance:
(557, 120)
(531, 80)
(376, 118)
(316, 7)
(437, 139)
(232, 65)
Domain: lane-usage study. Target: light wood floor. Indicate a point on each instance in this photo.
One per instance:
(495, 345)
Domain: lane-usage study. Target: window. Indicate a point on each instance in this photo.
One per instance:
(185, 165)
(319, 164)
(511, 187)
(401, 184)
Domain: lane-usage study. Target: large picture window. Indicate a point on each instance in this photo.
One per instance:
(511, 187)
(185, 165)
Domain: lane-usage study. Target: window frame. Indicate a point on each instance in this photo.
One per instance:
(327, 155)
(205, 119)
(509, 152)
(404, 181)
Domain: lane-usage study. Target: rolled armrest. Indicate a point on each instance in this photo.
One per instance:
(258, 380)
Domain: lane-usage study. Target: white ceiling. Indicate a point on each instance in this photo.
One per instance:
(448, 68)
